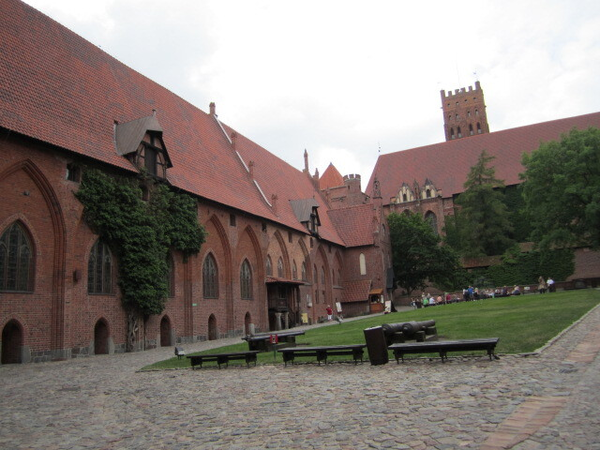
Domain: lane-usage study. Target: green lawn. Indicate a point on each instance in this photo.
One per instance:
(523, 324)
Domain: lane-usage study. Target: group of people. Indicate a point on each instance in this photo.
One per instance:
(472, 293)
(545, 286)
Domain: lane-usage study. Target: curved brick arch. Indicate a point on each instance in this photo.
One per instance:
(227, 272)
(57, 290)
(284, 254)
(256, 257)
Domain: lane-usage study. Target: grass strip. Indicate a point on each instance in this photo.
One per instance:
(523, 323)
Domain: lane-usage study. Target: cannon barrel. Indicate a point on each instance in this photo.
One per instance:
(410, 328)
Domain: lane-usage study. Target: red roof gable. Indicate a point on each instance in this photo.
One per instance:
(448, 163)
(331, 178)
(354, 224)
(59, 88)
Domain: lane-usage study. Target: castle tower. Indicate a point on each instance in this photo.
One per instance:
(464, 113)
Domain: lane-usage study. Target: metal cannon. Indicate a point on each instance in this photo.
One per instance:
(400, 332)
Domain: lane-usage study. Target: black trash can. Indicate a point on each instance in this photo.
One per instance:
(376, 346)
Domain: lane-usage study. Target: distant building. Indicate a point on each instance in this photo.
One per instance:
(426, 180)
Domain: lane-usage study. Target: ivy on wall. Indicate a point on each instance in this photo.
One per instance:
(140, 233)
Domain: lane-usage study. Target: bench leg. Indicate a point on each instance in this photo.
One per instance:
(321, 356)
(444, 356)
(249, 359)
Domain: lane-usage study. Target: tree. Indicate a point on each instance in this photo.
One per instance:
(562, 190)
(418, 255)
(482, 224)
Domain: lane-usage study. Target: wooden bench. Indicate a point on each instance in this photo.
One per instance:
(262, 342)
(223, 358)
(443, 347)
(321, 353)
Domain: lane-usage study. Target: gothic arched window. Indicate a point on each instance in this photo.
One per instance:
(210, 277)
(16, 260)
(363, 264)
(246, 280)
(280, 268)
(431, 218)
(269, 266)
(100, 269)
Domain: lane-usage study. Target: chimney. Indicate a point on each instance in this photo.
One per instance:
(213, 108)
(251, 169)
(234, 136)
(274, 203)
(305, 161)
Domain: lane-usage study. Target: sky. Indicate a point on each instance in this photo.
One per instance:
(348, 80)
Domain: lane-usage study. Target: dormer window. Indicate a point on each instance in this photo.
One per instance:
(315, 222)
(306, 212)
(141, 142)
(150, 156)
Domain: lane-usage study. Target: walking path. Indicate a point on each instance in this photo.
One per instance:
(546, 401)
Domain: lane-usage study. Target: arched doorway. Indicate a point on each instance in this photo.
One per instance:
(247, 323)
(213, 333)
(12, 341)
(165, 332)
(101, 338)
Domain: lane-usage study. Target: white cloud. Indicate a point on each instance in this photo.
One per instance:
(343, 78)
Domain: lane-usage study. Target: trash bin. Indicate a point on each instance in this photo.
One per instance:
(376, 346)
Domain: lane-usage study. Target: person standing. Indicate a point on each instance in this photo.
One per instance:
(550, 283)
(541, 285)
(329, 311)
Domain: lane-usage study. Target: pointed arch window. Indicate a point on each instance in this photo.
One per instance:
(100, 269)
(471, 130)
(280, 268)
(246, 280)
(303, 271)
(16, 260)
(269, 266)
(459, 132)
(478, 128)
(294, 270)
(210, 277)
(362, 263)
(431, 218)
(452, 133)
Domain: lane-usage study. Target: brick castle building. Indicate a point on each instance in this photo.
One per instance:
(282, 244)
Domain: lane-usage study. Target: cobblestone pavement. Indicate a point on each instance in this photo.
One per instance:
(545, 401)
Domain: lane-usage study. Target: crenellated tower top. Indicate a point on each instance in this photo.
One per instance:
(464, 112)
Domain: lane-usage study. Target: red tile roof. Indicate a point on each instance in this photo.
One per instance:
(356, 291)
(331, 178)
(354, 224)
(61, 89)
(448, 163)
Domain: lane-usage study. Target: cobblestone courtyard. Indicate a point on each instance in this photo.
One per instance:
(545, 401)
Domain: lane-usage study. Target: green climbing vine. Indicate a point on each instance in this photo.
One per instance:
(140, 233)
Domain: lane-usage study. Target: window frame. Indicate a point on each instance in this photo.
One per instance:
(246, 291)
(104, 271)
(210, 277)
(24, 270)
